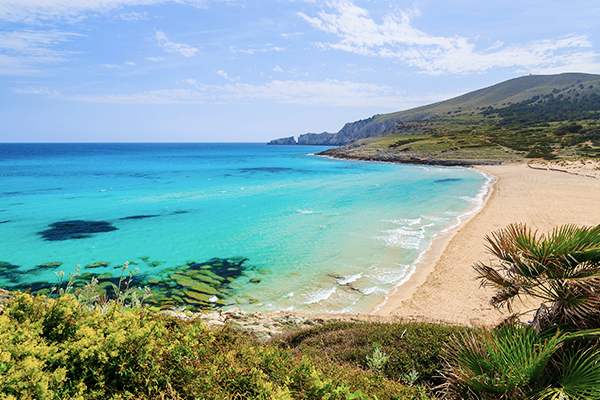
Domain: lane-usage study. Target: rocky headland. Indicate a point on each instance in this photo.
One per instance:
(362, 129)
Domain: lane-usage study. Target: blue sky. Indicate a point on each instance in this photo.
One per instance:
(229, 70)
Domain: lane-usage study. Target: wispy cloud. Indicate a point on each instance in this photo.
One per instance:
(396, 38)
(133, 16)
(172, 47)
(22, 52)
(155, 59)
(268, 47)
(224, 75)
(330, 92)
(38, 90)
(33, 11)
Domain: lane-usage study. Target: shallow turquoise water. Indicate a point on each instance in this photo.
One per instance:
(320, 234)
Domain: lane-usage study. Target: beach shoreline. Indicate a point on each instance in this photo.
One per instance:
(444, 287)
(424, 265)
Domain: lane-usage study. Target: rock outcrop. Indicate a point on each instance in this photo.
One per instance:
(284, 141)
(316, 139)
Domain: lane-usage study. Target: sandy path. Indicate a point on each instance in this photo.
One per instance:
(446, 289)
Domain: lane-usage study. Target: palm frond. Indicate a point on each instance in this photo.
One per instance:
(561, 269)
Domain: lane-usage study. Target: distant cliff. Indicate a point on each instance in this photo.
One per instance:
(284, 141)
(316, 139)
(365, 128)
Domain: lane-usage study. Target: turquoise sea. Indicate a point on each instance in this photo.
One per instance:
(265, 228)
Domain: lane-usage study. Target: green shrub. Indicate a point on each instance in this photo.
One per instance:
(410, 346)
(63, 349)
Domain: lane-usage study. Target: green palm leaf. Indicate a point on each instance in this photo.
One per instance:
(580, 377)
(561, 269)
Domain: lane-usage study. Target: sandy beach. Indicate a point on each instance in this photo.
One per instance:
(444, 288)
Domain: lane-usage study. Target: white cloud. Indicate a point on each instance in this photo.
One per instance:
(110, 65)
(224, 75)
(22, 52)
(269, 47)
(397, 39)
(133, 16)
(278, 69)
(181, 48)
(155, 59)
(130, 63)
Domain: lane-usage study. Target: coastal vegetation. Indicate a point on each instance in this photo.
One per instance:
(70, 348)
(76, 342)
(556, 354)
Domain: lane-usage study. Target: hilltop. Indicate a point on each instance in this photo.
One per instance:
(535, 116)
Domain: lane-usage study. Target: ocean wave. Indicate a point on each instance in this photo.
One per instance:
(389, 276)
(349, 279)
(403, 238)
(320, 295)
(373, 289)
(405, 221)
(434, 219)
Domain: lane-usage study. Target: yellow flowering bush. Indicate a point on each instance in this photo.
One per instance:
(63, 349)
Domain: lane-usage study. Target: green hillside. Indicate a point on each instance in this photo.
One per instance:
(548, 116)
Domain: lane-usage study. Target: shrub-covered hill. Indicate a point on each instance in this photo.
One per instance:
(553, 116)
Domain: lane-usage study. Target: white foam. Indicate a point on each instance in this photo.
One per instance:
(320, 295)
(306, 211)
(403, 238)
(213, 299)
(435, 219)
(290, 294)
(374, 289)
(349, 279)
(477, 203)
(405, 221)
(388, 276)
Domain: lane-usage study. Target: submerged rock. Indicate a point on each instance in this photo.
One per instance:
(139, 217)
(75, 229)
(98, 264)
(204, 285)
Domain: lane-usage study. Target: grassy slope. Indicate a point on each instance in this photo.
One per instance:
(464, 128)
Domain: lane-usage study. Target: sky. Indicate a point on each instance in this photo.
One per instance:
(255, 70)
